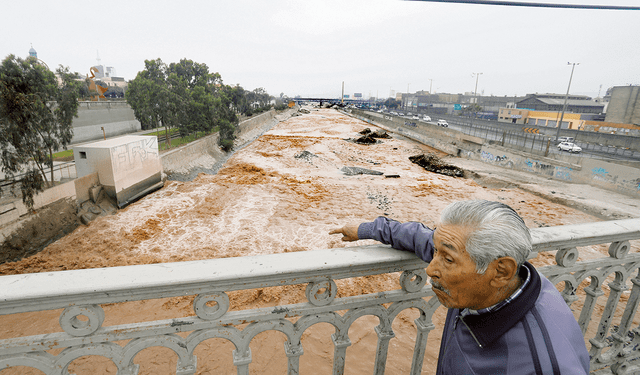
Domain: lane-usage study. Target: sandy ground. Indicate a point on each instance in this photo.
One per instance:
(270, 197)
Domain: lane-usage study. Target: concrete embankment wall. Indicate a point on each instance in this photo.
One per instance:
(205, 152)
(596, 172)
(12, 212)
(115, 117)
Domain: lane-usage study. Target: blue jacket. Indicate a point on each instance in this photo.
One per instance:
(536, 333)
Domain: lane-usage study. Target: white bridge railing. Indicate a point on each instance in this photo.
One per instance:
(81, 292)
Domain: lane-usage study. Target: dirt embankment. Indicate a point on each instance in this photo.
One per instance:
(48, 225)
(284, 192)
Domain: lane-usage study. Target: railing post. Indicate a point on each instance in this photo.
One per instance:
(242, 359)
(382, 348)
(599, 341)
(341, 343)
(421, 345)
(293, 357)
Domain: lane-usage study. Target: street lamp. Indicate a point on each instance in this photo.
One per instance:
(475, 93)
(564, 106)
(476, 90)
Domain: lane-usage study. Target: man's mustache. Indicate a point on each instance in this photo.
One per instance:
(436, 285)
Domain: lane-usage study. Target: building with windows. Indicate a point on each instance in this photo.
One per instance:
(555, 102)
(513, 115)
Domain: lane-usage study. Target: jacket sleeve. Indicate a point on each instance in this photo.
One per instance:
(411, 236)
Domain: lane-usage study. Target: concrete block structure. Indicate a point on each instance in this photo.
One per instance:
(128, 167)
(624, 106)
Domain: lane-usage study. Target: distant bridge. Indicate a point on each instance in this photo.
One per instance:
(331, 100)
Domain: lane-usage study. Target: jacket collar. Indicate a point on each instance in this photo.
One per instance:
(488, 327)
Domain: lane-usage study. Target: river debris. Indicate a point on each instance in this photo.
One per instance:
(432, 163)
(354, 171)
(369, 137)
(305, 155)
(375, 134)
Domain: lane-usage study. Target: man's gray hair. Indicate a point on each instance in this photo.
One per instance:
(496, 230)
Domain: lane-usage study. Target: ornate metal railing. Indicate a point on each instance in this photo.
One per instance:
(81, 292)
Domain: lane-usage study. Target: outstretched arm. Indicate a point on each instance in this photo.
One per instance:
(410, 236)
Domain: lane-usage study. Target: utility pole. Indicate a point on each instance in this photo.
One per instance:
(430, 86)
(342, 97)
(566, 96)
(475, 94)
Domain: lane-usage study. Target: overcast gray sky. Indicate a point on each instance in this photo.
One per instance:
(309, 48)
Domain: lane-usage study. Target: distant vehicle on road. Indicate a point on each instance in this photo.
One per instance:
(443, 123)
(393, 113)
(426, 118)
(400, 114)
(568, 146)
(565, 139)
(416, 117)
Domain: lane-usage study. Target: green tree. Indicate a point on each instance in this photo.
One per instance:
(36, 114)
(150, 98)
(391, 103)
(226, 117)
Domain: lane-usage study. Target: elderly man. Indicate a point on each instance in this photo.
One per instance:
(504, 317)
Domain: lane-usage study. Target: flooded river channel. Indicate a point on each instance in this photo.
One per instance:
(283, 192)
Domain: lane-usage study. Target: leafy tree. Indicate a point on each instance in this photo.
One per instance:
(391, 103)
(36, 114)
(150, 98)
(227, 120)
(471, 109)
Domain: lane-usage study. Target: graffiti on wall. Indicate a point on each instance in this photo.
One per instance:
(132, 156)
(563, 173)
(539, 167)
(502, 161)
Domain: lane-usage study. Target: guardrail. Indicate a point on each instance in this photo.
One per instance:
(613, 349)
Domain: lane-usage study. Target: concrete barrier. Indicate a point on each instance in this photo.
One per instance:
(115, 117)
(11, 213)
(205, 153)
(595, 172)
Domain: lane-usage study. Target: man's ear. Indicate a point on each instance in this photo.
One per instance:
(504, 270)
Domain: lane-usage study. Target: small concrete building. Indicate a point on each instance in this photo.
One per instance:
(128, 167)
(513, 115)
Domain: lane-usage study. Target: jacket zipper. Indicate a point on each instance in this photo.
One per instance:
(470, 331)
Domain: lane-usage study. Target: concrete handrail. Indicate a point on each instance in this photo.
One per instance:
(81, 292)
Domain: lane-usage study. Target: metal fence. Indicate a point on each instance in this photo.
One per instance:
(11, 187)
(513, 136)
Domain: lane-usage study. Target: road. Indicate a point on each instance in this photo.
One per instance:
(596, 151)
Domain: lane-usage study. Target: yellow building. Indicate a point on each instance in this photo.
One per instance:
(550, 119)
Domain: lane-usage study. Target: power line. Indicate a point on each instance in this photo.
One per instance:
(535, 5)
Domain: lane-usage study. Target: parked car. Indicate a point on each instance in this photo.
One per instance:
(426, 118)
(400, 114)
(568, 146)
(565, 139)
(443, 123)
(416, 117)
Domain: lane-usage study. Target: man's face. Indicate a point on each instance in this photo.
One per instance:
(453, 273)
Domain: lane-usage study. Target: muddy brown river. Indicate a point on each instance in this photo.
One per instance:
(284, 192)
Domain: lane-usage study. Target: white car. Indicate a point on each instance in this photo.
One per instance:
(426, 118)
(443, 123)
(416, 117)
(568, 146)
